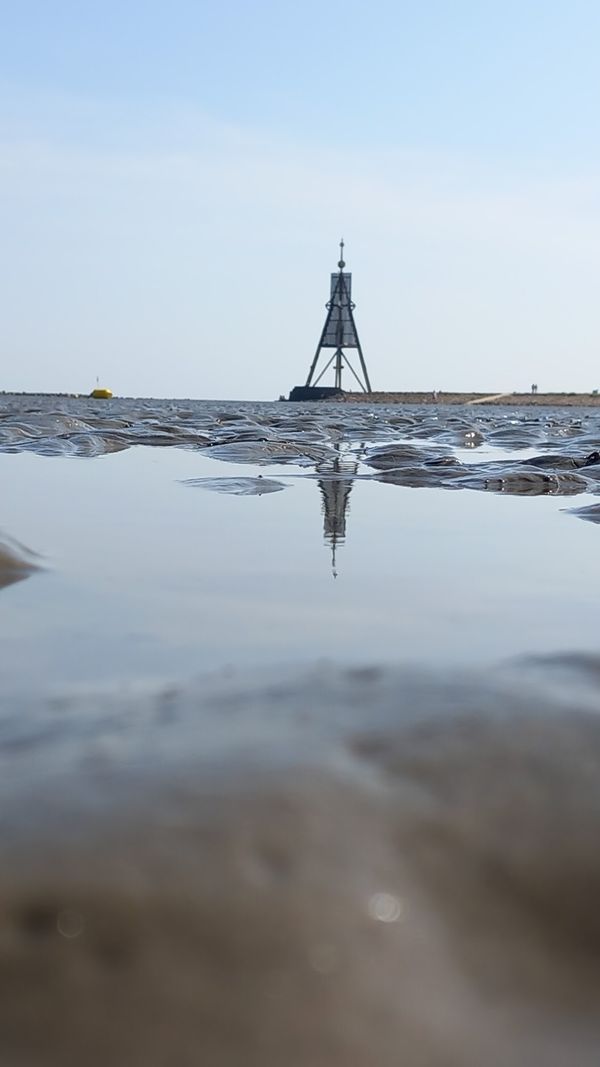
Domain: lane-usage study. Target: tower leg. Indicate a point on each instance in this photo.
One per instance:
(363, 365)
(338, 369)
(312, 368)
(319, 347)
(325, 369)
(352, 371)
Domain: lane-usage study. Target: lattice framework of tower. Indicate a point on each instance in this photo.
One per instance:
(339, 332)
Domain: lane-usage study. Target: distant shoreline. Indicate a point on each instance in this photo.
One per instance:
(431, 398)
(479, 399)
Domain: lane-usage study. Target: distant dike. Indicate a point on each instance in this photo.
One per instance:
(485, 399)
(431, 398)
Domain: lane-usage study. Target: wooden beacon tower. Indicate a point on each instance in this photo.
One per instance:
(339, 333)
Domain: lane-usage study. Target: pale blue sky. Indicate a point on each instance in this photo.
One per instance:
(174, 179)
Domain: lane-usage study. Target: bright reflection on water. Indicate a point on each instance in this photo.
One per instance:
(149, 576)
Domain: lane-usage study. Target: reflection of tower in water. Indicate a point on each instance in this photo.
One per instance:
(336, 486)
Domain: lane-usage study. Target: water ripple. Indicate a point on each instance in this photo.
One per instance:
(555, 452)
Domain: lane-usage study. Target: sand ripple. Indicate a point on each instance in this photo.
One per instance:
(16, 561)
(237, 486)
(554, 452)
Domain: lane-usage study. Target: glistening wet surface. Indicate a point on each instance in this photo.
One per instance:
(175, 537)
(228, 835)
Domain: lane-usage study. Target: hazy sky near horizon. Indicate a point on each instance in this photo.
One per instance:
(174, 179)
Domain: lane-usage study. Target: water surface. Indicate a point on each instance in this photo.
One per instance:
(177, 537)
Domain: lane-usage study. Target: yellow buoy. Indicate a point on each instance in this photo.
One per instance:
(101, 394)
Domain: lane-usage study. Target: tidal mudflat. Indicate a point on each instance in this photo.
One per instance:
(299, 734)
(175, 538)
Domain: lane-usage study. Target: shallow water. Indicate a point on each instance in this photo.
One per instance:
(279, 533)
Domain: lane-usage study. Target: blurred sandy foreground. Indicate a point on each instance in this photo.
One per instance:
(324, 867)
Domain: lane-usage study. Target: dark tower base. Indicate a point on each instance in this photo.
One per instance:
(314, 392)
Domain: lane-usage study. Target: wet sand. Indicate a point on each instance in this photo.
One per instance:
(203, 861)
(330, 868)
